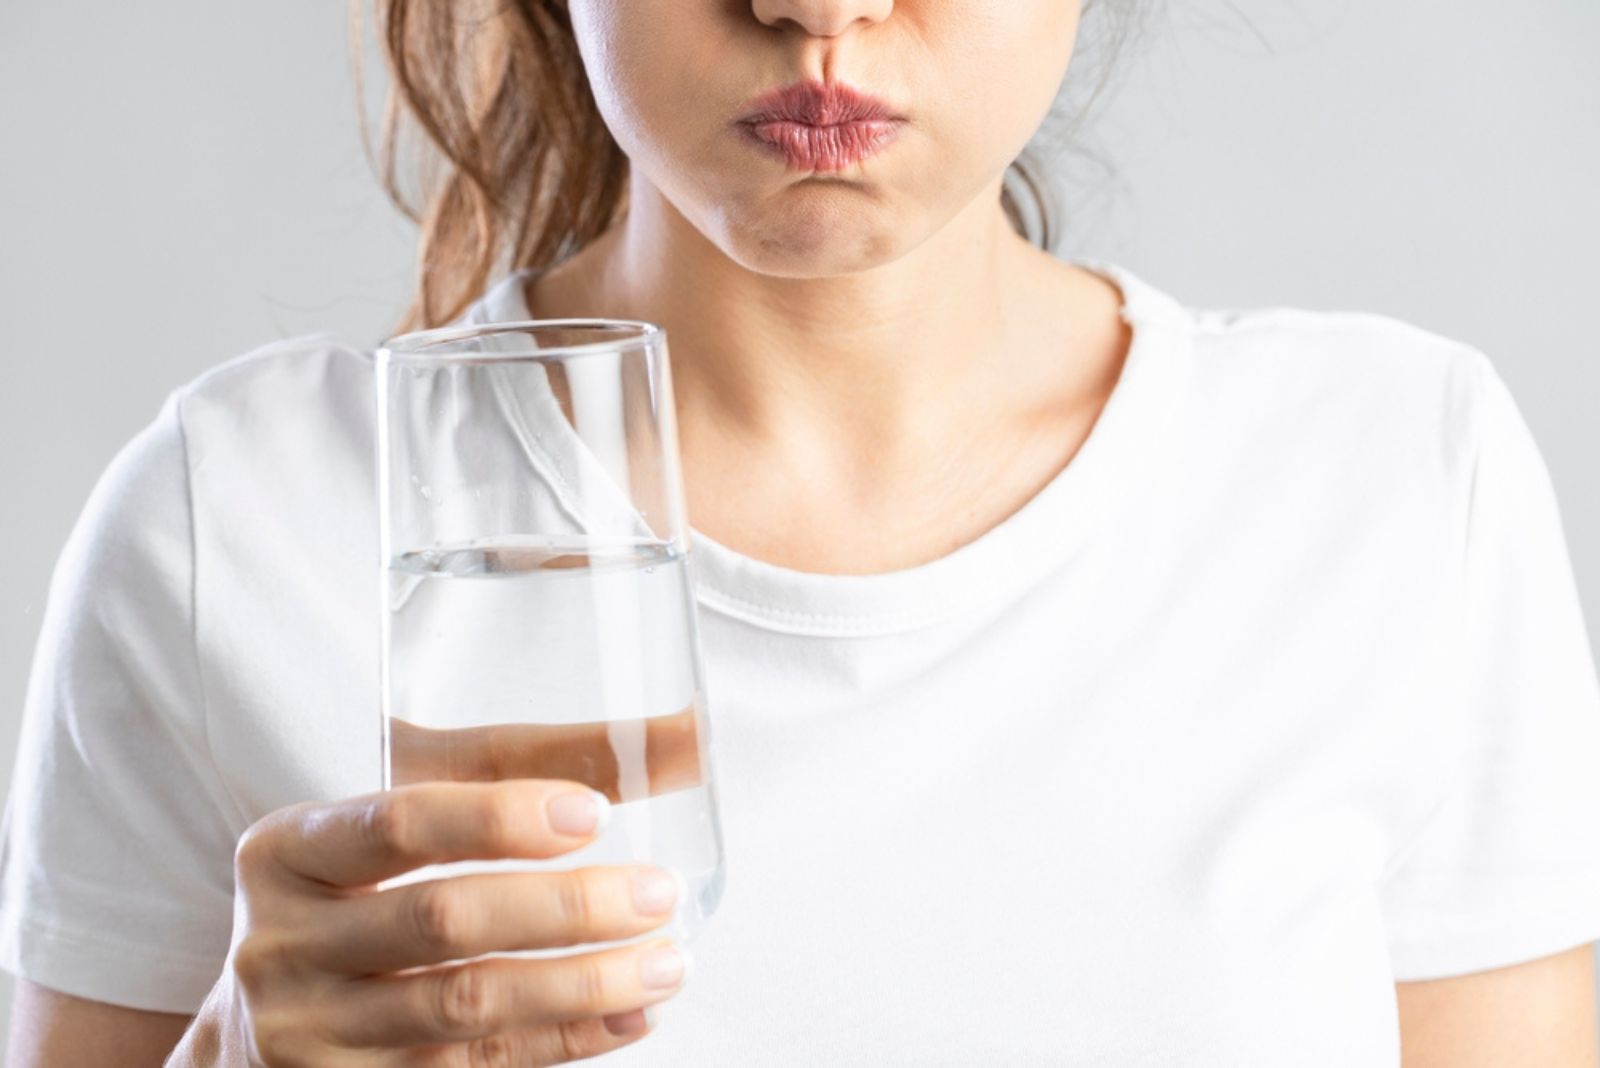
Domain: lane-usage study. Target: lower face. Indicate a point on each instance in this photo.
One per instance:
(968, 81)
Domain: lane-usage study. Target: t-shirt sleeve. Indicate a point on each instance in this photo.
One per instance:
(116, 854)
(1506, 867)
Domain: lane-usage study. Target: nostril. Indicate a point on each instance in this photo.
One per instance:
(821, 19)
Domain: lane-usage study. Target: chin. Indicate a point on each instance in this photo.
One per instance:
(816, 237)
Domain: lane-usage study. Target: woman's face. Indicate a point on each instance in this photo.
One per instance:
(970, 80)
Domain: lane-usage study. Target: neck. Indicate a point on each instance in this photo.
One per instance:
(881, 361)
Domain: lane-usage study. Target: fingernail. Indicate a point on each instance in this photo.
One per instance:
(579, 812)
(655, 891)
(623, 1024)
(665, 967)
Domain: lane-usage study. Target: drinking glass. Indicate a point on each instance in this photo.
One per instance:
(538, 619)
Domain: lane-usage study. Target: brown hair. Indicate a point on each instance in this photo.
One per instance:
(519, 169)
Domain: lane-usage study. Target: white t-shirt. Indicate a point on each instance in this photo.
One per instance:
(1279, 692)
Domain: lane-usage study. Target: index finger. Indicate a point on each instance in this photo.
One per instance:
(580, 752)
(364, 840)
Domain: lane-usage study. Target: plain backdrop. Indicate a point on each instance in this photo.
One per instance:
(177, 187)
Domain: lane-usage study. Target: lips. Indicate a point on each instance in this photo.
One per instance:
(821, 126)
(816, 103)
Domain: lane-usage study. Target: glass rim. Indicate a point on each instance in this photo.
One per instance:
(415, 346)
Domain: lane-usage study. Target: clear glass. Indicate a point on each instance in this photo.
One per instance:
(538, 618)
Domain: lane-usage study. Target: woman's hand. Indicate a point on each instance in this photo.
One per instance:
(325, 970)
(580, 752)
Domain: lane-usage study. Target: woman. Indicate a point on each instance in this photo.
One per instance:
(1097, 680)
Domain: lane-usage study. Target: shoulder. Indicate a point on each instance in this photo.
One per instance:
(1304, 373)
(1337, 344)
(320, 370)
(1349, 420)
(285, 405)
(262, 416)
(304, 389)
(1374, 382)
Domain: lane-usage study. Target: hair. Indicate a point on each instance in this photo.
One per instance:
(518, 169)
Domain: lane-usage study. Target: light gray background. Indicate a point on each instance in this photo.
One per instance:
(175, 190)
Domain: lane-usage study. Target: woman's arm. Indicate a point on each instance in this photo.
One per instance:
(1540, 1014)
(50, 1029)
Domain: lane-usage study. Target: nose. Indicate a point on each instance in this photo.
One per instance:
(822, 18)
